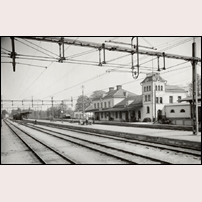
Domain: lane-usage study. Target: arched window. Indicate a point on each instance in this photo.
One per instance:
(182, 111)
(161, 88)
(148, 110)
(145, 98)
(172, 111)
(158, 88)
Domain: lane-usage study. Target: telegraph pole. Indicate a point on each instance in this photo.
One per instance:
(194, 91)
(82, 100)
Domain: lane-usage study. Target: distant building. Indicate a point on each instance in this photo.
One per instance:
(121, 105)
(79, 113)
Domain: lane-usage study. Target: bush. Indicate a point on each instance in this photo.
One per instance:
(147, 120)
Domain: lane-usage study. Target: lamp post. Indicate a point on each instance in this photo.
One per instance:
(62, 115)
(82, 87)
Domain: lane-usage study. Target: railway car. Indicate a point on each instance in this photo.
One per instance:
(17, 116)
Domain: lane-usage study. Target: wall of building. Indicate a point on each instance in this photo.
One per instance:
(177, 108)
(113, 101)
(175, 97)
(158, 93)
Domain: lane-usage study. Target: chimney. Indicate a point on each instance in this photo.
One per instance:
(119, 87)
(125, 94)
(111, 89)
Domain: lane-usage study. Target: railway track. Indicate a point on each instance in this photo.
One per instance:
(138, 142)
(132, 157)
(44, 153)
(113, 149)
(119, 160)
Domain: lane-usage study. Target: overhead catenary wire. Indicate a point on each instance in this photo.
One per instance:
(6, 49)
(35, 49)
(134, 81)
(41, 47)
(33, 82)
(90, 79)
(27, 71)
(171, 66)
(68, 72)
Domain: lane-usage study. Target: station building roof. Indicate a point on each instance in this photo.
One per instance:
(115, 93)
(174, 89)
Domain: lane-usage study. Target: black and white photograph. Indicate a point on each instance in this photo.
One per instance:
(100, 100)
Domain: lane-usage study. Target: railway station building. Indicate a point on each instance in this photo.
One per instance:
(156, 98)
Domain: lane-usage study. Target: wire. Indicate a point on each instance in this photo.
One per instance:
(79, 83)
(71, 45)
(147, 42)
(117, 58)
(69, 71)
(5, 49)
(33, 82)
(81, 54)
(41, 47)
(35, 48)
(5, 53)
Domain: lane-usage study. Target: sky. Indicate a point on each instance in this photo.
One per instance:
(64, 80)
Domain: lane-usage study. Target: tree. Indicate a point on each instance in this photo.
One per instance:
(190, 86)
(97, 94)
(80, 100)
(4, 112)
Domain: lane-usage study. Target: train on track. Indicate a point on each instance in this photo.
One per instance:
(20, 116)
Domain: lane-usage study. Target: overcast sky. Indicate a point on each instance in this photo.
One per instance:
(63, 80)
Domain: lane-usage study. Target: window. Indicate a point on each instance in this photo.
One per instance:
(149, 88)
(120, 115)
(105, 114)
(157, 100)
(101, 114)
(182, 111)
(105, 105)
(98, 105)
(172, 111)
(158, 88)
(94, 105)
(179, 98)
(148, 110)
(161, 88)
(149, 97)
(145, 98)
(144, 89)
(109, 104)
(101, 105)
(116, 115)
(139, 114)
(170, 99)
(161, 100)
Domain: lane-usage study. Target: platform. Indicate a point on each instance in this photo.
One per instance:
(163, 136)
